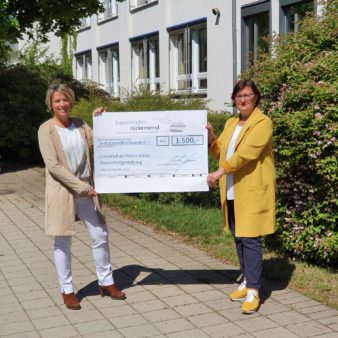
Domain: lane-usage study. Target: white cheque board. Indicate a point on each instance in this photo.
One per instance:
(157, 151)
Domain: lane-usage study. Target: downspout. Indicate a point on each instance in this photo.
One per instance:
(234, 43)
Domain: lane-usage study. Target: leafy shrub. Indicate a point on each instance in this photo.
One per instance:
(299, 87)
(22, 110)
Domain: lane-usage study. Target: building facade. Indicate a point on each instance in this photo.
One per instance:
(196, 47)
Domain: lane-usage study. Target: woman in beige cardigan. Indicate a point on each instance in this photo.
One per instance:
(246, 177)
(66, 147)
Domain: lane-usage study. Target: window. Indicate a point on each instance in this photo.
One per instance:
(146, 62)
(188, 59)
(109, 70)
(292, 14)
(140, 3)
(255, 29)
(85, 22)
(110, 10)
(84, 66)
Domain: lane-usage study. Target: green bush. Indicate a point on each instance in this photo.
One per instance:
(22, 109)
(299, 86)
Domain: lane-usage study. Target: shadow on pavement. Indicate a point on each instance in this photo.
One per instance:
(129, 276)
(278, 272)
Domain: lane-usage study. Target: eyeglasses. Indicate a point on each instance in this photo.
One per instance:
(245, 97)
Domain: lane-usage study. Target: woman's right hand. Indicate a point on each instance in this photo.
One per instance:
(211, 134)
(91, 192)
(99, 110)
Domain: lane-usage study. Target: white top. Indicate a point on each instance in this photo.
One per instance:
(230, 152)
(74, 150)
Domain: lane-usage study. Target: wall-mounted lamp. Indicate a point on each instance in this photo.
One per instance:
(216, 11)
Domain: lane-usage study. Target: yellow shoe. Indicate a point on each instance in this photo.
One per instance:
(239, 294)
(251, 304)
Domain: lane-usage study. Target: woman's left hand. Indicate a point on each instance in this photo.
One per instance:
(98, 111)
(214, 177)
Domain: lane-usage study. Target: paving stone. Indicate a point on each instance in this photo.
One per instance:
(256, 324)
(76, 317)
(59, 332)
(161, 315)
(323, 314)
(174, 325)
(149, 306)
(290, 317)
(207, 319)
(329, 320)
(105, 334)
(273, 307)
(128, 320)
(223, 330)
(16, 328)
(308, 329)
(141, 297)
(180, 300)
(189, 334)
(278, 332)
(13, 317)
(43, 312)
(90, 327)
(208, 295)
(30, 334)
(192, 309)
(312, 309)
(140, 331)
(50, 322)
(36, 303)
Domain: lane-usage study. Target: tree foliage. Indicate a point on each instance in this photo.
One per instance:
(299, 86)
(19, 17)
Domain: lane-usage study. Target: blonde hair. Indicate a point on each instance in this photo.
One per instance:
(64, 89)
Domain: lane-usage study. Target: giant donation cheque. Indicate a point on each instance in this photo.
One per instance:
(157, 151)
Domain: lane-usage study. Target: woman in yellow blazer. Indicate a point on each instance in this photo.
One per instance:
(246, 177)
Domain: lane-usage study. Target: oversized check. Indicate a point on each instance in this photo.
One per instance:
(158, 151)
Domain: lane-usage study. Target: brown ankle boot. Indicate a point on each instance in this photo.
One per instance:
(71, 301)
(112, 291)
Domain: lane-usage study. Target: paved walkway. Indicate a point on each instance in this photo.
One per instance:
(173, 289)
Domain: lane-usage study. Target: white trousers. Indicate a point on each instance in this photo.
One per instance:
(98, 232)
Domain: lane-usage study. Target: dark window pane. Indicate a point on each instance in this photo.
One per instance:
(295, 13)
(202, 39)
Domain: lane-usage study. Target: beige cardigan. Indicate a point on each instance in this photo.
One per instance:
(252, 165)
(61, 184)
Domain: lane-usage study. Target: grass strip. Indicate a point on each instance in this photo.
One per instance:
(204, 228)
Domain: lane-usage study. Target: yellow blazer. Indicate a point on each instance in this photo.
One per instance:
(252, 165)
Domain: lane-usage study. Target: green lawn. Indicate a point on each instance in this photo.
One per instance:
(204, 227)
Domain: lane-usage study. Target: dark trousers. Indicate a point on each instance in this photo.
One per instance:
(249, 252)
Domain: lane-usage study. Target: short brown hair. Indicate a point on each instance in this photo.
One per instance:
(59, 87)
(246, 83)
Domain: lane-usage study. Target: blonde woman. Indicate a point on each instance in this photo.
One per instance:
(66, 147)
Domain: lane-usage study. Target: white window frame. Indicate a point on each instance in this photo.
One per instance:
(135, 4)
(110, 10)
(109, 76)
(84, 68)
(142, 49)
(192, 74)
